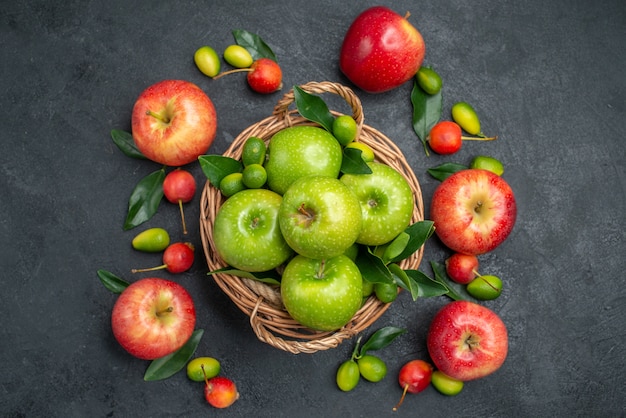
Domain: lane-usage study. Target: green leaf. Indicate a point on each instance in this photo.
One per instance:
(396, 247)
(352, 163)
(445, 170)
(254, 44)
(419, 232)
(145, 199)
(381, 339)
(313, 108)
(216, 167)
(125, 142)
(112, 282)
(456, 291)
(269, 277)
(404, 281)
(426, 286)
(426, 112)
(372, 268)
(164, 367)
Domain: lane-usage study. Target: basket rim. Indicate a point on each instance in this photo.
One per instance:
(261, 302)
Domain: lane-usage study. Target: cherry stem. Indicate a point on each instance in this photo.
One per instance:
(157, 116)
(161, 267)
(182, 216)
(479, 138)
(236, 70)
(476, 273)
(406, 387)
(488, 284)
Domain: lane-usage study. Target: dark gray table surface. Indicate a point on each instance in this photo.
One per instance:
(546, 77)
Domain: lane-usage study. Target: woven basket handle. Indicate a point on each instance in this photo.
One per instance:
(282, 112)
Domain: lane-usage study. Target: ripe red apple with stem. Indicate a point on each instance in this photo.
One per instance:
(446, 137)
(414, 377)
(462, 268)
(179, 187)
(173, 122)
(264, 75)
(467, 341)
(220, 392)
(381, 50)
(177, 258)
(473, 210)
(153, 318)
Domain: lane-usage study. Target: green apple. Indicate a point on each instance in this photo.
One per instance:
(246, 232)
(386, 203)
(319, 217)
(300, 151)
(322, 294)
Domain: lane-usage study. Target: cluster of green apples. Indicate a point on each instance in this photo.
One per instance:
(309, 218)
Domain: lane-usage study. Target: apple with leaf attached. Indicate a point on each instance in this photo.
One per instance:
(381, 50)
(173, 122)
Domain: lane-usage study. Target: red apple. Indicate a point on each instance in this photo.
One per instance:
(467, 341)
(153, 318)
(474, 211)
(381, 50)
(173, 122)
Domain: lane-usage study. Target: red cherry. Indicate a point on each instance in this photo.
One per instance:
(220, 391)
(179, 187)
(177, 258)
(266, 76)
(446, 137)
(462, 268)
(414, 377)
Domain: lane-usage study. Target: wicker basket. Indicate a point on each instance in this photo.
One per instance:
(261, 302)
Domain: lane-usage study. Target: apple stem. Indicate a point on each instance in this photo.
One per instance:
(320, 271)
(407, 15)
(406, 387)
(164, 266)
(479, 138)
(156, 115)
(166, 310)
(182, 216)
(236, 70)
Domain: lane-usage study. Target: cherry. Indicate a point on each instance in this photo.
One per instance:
(264, 75)
(219, 391)
(414, 377)
(179, 187)
(446, 137)
(462, 267)
(177, 258)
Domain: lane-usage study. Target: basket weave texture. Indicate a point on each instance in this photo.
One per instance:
(262, 302)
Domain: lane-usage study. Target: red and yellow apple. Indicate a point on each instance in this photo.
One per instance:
(173, 122)
(153, 318)
(473, 210)
(467, 341)
(381, 50)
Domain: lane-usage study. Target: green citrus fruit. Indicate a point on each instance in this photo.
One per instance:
(207, 61)
(238, 56)
(386, 292)
(445, 384)
(367, 153)
(488, 163)
(348, 375)
(372, 368)
(151, 240)
(253, 151)
(429, 80)
(254, 176)
(465, 115)
(211, 368)
(485, 287)
(232, 184)
(344, 129)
